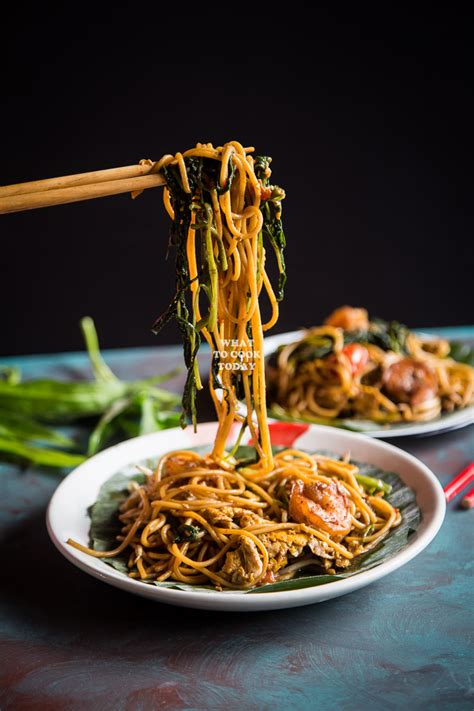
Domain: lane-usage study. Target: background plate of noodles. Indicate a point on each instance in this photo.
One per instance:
(313, 391)
(421, 503)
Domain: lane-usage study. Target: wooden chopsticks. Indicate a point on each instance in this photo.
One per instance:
(81, 186)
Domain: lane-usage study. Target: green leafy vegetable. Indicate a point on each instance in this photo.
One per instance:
(371, 484)
(204, 182)
(462, 352)
(18, 449)
(24, 406)
(99, 366)
(52, 400)
(388, 335)
(10, 374)
(105, 427)
(310, 348)
(27, 429)
(147, 413)
(105, 527)
(186, 533)
(272, 224)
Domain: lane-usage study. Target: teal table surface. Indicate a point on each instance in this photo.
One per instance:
(68, 641)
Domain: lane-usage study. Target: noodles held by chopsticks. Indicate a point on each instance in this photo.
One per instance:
(209, 519)
(222, 207)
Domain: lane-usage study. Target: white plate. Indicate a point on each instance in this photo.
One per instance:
(67, 513)
(448, 421)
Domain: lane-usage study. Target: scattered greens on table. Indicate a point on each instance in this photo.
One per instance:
(121, 409)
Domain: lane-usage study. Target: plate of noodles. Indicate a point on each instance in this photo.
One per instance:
(369, 376)
(244, 514)
(185, 531)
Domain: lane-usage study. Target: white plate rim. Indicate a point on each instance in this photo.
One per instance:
(125, 453)
(446, 423)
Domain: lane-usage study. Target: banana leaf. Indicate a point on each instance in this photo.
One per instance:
(105, 527)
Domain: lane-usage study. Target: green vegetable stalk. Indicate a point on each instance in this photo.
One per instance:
(203, 179)
(371, 485)
(123, 408)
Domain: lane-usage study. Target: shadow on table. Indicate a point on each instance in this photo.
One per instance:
(60, 601)
(73, 642)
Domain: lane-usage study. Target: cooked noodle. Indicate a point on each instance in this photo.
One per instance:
(410, 379)
(208, 519)
(195, 521)
(226, 269)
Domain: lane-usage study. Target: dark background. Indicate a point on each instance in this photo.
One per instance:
(369, 123)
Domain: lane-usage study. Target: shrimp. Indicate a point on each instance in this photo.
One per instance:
(410, 380)
(322, 505)
(349, 319)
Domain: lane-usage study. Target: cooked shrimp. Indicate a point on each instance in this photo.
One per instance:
(349, 318)
(410, 380)
(322, 505)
